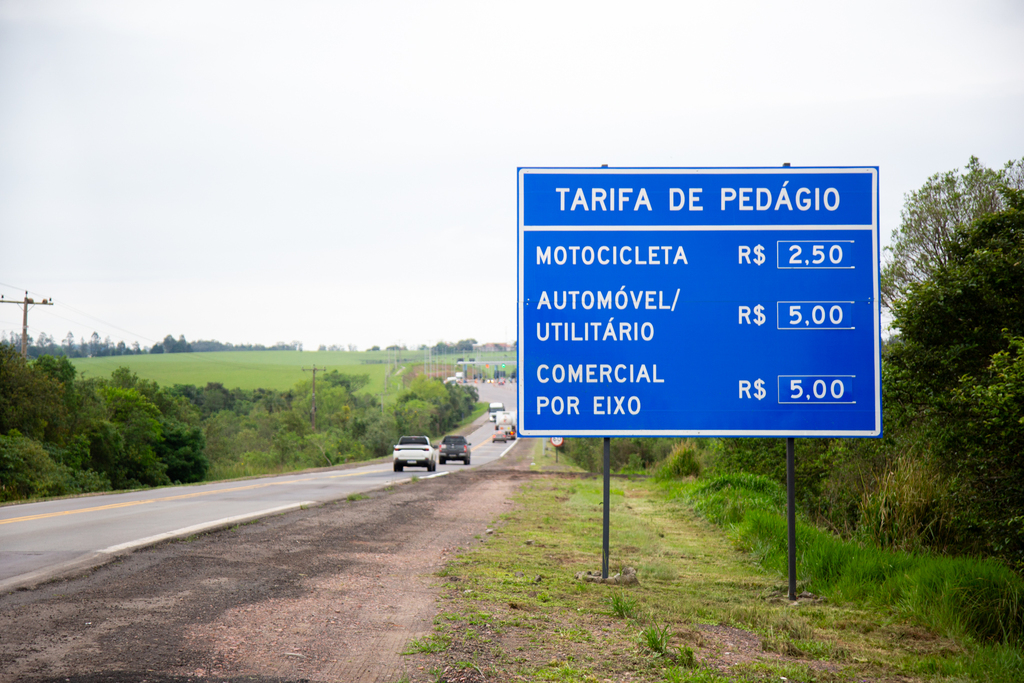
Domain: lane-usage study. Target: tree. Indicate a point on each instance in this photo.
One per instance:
(352, 383)
(130, 454)
(952, 324)
(30, 400)
(957, 369)
(930, 217)
(95, 344)
(181, 450)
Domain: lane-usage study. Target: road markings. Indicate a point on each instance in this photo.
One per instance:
(183, 496)
(355, 474)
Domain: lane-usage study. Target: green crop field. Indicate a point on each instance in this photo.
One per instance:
(279, 370)
(248, 370)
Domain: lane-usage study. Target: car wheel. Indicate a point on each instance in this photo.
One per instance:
(398, 467)
(466, 461)
(444, 461)
(431, 466)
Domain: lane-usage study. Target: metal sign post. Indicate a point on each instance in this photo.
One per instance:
(699, 302)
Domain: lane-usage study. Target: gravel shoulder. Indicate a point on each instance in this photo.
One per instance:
(334, 592)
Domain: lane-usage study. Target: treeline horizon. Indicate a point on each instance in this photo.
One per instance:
(95, 347)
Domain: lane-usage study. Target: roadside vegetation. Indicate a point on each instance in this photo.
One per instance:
(64, 434)
(947, 476)
(711, 600)
(910, 547)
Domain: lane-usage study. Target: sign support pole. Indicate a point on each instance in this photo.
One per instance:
(788, 300)
(607, 504)
(791, 513)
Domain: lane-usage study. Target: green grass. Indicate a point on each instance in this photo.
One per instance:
(624, 606)
(694, 574)
(977, 602)
(965, 597)
(435, 642)
(249, 370)
(655, 638)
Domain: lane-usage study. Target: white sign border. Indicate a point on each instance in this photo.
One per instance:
(874, 227)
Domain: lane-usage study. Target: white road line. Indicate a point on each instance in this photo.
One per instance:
(205, 526)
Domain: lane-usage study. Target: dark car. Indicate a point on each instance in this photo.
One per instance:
(454, 448)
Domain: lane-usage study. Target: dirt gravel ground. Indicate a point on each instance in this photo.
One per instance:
(332, 593)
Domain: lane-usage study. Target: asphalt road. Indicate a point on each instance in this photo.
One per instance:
(39, 541)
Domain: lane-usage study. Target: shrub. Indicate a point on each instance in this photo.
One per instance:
(977, 598)
(681, 462)
(909, 510)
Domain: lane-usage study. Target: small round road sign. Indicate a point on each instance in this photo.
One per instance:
(557, 441)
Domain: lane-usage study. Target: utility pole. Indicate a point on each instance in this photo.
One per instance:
(24, 318)
(312, 412)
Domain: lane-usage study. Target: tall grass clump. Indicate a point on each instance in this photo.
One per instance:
(909, 509)
(682, 461)
(728, 498)
(978, 599)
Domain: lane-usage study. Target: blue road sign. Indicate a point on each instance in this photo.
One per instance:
(710, 302)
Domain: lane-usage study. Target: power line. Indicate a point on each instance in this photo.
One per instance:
(68, 306)
(24, 319)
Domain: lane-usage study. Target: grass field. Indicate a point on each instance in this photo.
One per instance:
(707, 608)
(248, 370)
(244, 369)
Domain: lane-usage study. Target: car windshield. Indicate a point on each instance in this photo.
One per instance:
(417, 440)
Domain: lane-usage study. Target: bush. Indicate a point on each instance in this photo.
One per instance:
(909, 510)
(636, 455)
(28, 471)
(682, 462)
(976, 598)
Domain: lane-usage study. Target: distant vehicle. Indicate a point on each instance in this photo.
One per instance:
(414, 451)
(504, 426)
(454, 448)
(460, 376)
(451, 380)
(493, 409)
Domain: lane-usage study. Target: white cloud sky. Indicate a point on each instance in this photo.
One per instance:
(344, 172)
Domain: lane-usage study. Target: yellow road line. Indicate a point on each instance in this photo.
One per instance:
(183, 496)
(355, 474)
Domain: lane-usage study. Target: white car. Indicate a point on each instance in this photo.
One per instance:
(414, 451)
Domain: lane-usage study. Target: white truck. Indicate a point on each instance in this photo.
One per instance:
(414, 451)
(504, 426)
(493, 409)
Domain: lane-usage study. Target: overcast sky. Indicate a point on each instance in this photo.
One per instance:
(345, 172)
